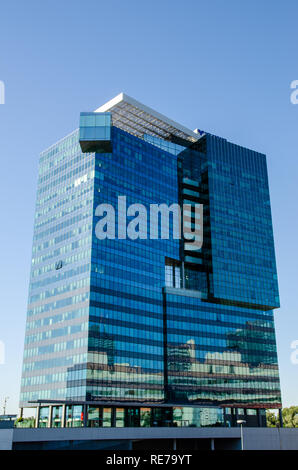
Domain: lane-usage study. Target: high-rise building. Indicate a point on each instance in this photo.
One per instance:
(150, 329)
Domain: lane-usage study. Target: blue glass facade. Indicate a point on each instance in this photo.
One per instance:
(126, 337)
(152, 321)
(59, 292)
(243, 259)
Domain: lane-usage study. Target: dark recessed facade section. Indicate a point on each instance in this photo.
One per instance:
(91, 146)
(95, 132)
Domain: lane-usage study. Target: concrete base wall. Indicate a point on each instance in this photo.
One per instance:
(270, 439)
(222, 438)
(6, 437)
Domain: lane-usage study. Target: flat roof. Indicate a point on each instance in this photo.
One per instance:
(137, 119)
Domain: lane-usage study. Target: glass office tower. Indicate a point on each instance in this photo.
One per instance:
(150, 331)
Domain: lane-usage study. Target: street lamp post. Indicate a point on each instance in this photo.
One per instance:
(241, 422)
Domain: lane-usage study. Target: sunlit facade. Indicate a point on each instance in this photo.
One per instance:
(150, 331)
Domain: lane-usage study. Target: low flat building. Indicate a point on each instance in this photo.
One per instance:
(150, 439)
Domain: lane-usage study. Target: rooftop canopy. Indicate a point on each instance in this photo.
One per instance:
(137, 119)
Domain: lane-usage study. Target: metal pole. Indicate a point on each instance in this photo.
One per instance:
(4, 406)
(241, 422)
(50, 416)
(37, 416)
(280, 418)
(63, 416)
(85, 417)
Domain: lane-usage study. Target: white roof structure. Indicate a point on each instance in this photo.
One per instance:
(137, 119)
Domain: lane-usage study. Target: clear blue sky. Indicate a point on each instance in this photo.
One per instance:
(225, 67)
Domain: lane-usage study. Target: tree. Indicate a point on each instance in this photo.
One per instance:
(271, 419)
(289, 417)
